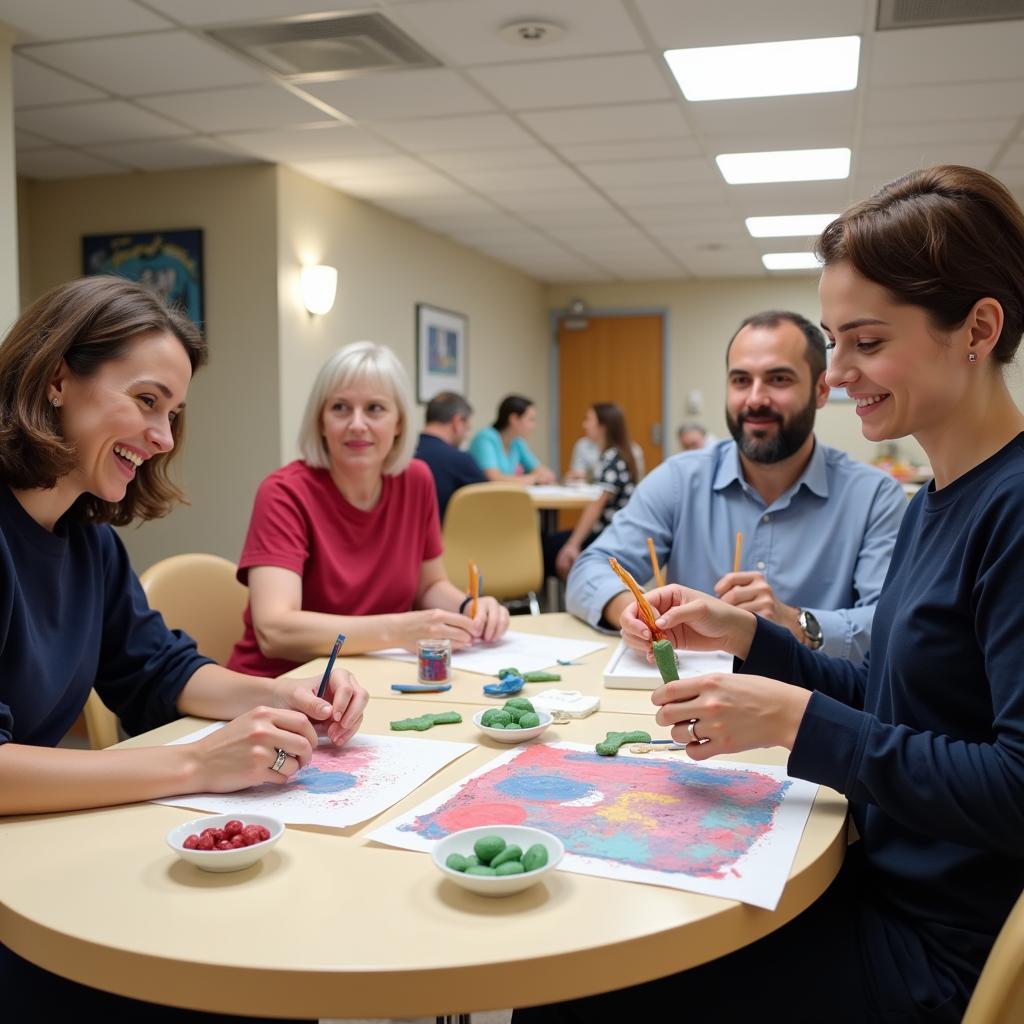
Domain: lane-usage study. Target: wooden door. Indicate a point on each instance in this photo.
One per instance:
(611, 359)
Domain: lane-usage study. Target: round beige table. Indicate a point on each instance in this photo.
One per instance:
(549, 499)
(377, 674)
(329, 924)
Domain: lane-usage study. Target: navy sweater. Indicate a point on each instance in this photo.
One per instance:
(926, 739)
(73, 616)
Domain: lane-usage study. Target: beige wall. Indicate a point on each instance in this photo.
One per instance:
(385, 266)
(9, 297)
(702, 317)
(233, 414)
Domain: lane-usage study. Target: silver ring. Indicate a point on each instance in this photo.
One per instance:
(282, 757)
(693, 732)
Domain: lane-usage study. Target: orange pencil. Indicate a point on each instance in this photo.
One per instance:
(474, 588)
(659, 578)
(642, 604)
(739, 551)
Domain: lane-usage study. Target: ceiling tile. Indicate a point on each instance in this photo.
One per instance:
(962, 101)
(355, 168)
(680, 23)
(468, 33)
(36, 86)
(910, 132)
(634, 149)
(768, 116)
(26, 140)
(583, 237)
(940, 54)
(236, 109)
(791, 197)
(609, 124)
(58, 162)
(436, 134)
(541, 201)
(58, 19)
(1013, 157)
(679, 215)
(489, 159)
(169, 154)
(882, 165)
(397, 185)
(667, 194)
(84, 123)
(602, 216)
(433, 92)
(320, 142)
(223, 12)
(516, 179)
(651, 172)
(582, 82)
(147, 64)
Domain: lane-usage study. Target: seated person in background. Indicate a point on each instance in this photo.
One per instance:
(93, 379)
(693, 436)
(501, 451)
(617, 475)
(585, 461)
(347, 539)
(446, 428)
(818, 528)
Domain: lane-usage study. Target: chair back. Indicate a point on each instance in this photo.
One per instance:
(999, 995)
(496, 526)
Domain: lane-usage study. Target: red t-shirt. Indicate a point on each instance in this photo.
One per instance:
(351, 562)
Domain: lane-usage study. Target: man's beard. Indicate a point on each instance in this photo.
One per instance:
(787, 438)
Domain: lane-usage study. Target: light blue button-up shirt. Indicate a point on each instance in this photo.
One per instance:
(823, 545)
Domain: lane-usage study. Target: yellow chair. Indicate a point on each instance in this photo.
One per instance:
(495, 525)
(197, 593)
(999, 995)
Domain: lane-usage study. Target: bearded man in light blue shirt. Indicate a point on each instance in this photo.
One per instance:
(818, 527)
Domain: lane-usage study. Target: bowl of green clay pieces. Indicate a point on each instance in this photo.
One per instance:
(515, 721)
(498, 860)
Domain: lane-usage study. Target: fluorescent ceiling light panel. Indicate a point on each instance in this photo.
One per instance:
(791, 68)
(784, 165)
(791, 261)
(780, 227)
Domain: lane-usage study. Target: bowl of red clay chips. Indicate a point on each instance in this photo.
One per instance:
(225, 842)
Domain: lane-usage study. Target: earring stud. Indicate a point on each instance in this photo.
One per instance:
(55, 402)
(972, 357)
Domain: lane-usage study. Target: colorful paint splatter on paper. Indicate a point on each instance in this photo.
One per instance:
(342, 786)
(719, 827)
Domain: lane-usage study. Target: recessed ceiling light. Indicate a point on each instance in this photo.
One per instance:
(791, 261)
(791, 68)
(779, 227)
(784, 165)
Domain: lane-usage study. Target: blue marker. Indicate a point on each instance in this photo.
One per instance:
(330, 665)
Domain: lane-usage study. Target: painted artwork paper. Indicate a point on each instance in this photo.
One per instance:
(721, 828)
(343, 786)
(528, 652)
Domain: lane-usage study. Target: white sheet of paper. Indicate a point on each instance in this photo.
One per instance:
(609, 811)
(589, 491)
(341, 787)
(528, 652)
(629, 670)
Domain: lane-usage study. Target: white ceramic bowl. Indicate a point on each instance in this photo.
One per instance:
(497, 885)
(512, 735)
(224, 860)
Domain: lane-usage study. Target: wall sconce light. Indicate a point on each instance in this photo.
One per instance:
(319, 286)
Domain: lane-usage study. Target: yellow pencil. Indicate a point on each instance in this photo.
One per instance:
(739, 551)
(659, 579)
(474, 588)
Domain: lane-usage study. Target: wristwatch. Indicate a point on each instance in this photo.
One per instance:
(812, 629)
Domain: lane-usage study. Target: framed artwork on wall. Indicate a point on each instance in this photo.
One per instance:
(170, 262)
(441, 339)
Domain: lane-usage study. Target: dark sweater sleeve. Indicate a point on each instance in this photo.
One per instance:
(143, 666)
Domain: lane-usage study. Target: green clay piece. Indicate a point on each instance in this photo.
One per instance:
(457, 862)
(535, 857)
(518, 702)
(425, 722)
(472, 861)
(529, 720)
(488, 847)
(496, 718)
(542, 677)
(480, 869)
(510, 867)
(514, 714)
(511, 852)
(513, 725)
(609, 746)
(502, 672)
(665, 659)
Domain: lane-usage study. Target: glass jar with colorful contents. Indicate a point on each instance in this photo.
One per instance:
(434, 661)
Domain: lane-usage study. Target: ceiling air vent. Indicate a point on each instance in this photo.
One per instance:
(309, 49)
(922, 13)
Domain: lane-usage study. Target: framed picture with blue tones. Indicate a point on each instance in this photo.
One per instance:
(170, 262)
(441, 339)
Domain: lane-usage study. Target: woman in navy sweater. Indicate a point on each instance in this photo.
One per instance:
(922, 296)
(93, 379)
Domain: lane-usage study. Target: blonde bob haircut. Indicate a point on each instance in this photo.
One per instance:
(363, 362)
